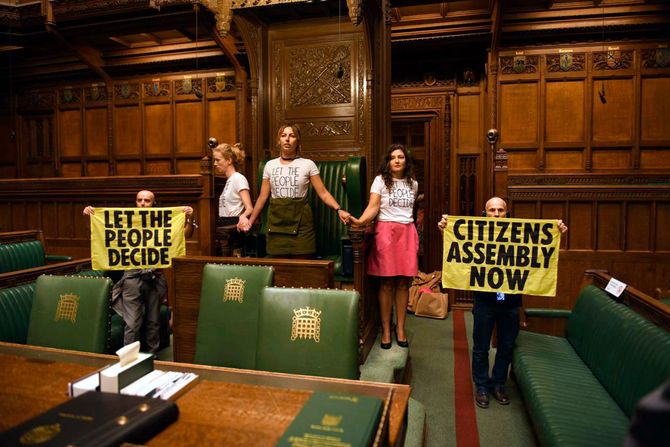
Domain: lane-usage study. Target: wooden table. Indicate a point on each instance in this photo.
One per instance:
(226, 407)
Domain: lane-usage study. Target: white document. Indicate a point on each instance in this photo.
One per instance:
(615, 287)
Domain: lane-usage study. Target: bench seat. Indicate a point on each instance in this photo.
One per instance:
(20, 250)
(581, 389)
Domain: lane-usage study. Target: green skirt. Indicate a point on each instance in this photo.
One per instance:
(290, 228)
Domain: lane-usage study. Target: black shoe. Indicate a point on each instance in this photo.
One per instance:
(482, 399)
(401, 343)
(385, 345)
(501, 396)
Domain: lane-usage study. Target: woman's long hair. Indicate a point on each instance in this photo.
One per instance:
(385, 171)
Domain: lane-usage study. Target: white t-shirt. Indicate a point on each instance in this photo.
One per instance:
(289, 181)
(396, 206)
(230, 201)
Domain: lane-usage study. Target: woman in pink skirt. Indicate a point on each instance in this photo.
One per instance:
(393, 256)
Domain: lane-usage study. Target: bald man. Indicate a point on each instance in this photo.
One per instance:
(493, 309)
(137, 295)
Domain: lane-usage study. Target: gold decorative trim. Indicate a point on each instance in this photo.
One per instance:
(306, 324)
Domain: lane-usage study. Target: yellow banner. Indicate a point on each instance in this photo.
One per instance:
(136, 238)
(501, 255)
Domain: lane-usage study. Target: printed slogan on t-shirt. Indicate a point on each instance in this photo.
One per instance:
(136, 238)
(285, 181)
(501, 255)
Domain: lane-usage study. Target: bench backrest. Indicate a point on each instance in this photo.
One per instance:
(628, 354)
(21, 255)
(345, 180)
(15, 305)
(308, 331)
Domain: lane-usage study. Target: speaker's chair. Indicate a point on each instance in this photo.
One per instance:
(308, 331)
(228, 320)
(70, 312)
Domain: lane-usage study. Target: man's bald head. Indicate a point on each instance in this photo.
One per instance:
(145, 199)
(496, 207)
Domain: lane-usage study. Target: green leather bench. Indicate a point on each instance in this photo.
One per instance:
(16, 304)
(581, 389)
(21, 250)
(345, 180)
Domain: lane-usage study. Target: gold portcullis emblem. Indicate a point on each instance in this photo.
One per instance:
(306, 324)
(330, 420)
(40, 434)
(68, 304)
(234, 290)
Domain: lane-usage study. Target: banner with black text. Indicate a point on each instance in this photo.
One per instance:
(136, 238)
(501, 255)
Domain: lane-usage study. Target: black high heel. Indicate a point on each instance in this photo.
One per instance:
(385, 345)
(401, 343)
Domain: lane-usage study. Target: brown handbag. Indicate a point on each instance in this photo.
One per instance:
(422, 282)
(432, 305)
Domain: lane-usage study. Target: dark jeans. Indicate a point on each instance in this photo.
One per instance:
(505, 316)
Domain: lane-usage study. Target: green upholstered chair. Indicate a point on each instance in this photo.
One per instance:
(308, 331)
(228, 319)
(70, 312)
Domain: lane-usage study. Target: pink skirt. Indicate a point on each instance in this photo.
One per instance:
(394, 250)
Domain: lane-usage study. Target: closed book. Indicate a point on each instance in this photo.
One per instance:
(116, 377)
(95, 419)
(329, 419)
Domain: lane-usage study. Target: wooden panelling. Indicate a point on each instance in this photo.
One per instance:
(564, 160)
(70, 169)
(7, 127)
(609, 229)
(613, 120)
(96, 132)
(70, 131)
(518, 115)
(662, 239)
(158, 167)
(8, 171)
(189, 123)
(525, 160)
(523, 210)
(469, 125)
(158, 128)
(189, 167)
(564, 116)
(638, 219)
(655, 110)
(221, 120)
(611, 159)
(128, 168)
(127, 130)
(581, 217)
(655, 158)
(97, 169)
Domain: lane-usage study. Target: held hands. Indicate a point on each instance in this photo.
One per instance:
(345, 216)
(243, 224)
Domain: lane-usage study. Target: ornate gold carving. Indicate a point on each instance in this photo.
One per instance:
(157, 89)
(68, 305)
(613, 60)
(331, 420)
(277, 70)
(327, 128)
(126, 91)
(314, 76)
(519, 64)
(587, 179)
(221, 83)
(239, 4)
(96, 92)
(37, 100)
(187, 86)
(450, 83)
(417, 102)
(234, 290)
(69, 95)
(355, 11)
(306, 324)
(361, 98)
(656, 58)
(565, 62)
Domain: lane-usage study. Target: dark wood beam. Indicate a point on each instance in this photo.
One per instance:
(152, 37)
(121, 41)
(496, 24)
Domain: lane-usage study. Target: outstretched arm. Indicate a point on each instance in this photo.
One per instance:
(370, 212)
(258, 208)
(248, 209)
(328, 199)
